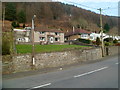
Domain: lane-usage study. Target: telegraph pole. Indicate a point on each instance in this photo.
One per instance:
(3, 14)
(33, 53)
(101, 28)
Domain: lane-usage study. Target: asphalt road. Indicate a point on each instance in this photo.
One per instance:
(103, 74)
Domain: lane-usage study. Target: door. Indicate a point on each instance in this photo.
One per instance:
(51, 39)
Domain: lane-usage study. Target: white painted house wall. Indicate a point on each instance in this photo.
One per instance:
(93, 36)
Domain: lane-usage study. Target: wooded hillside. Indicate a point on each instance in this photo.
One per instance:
(59, 15)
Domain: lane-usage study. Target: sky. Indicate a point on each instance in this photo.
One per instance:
(110, 7)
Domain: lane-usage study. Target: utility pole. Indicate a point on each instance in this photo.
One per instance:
(33, 51)
(102, 47)
(67, 32)
(3, 14)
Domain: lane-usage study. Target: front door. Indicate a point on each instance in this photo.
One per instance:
(51, 39)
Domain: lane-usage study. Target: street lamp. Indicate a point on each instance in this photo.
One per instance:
(33, 58)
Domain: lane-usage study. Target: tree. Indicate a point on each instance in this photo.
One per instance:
(106, 27)
(98, 42)
(14, 24)
(10, 11)
(78, 26)
(21, 17)
(17, 24)
(24, 25)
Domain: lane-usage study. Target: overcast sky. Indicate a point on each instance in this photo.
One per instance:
(110, 7)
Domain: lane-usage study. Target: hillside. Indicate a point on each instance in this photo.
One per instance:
(63, 16)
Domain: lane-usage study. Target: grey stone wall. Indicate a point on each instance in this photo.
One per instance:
(22, 63)
(111, 50)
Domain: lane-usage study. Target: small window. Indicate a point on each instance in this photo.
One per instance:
(56, 33)
(56, 39)
(84, 35)
(42, 32)
(91, 37)
(42, 38)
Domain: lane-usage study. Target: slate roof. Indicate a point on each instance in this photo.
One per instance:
(77, 31)
(47, 30)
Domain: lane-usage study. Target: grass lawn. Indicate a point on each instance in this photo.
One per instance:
(45, 48)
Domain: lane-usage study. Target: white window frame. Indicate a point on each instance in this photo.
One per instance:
(42, 32)
(42, 38)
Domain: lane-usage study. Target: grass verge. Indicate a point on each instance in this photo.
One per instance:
(21, 49)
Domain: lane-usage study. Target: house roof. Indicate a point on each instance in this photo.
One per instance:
(47, 30)
(77, 31)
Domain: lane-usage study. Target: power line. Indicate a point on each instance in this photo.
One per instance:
(80, 4)
(108, 8)
(104, 13)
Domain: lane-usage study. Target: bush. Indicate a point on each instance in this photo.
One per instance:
(115, 41)
(24, 25)
(84, 41)
(98, 42)
(17, 24)
(14, 24)
(107, 44)
(108, 40)
(93, 42)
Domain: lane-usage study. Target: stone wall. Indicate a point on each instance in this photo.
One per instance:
(66, 58)
(22, 63)
(112, 50)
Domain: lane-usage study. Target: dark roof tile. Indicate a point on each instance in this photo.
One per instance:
(77, 31)
(47, 30)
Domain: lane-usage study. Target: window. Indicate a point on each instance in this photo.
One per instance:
(56, 39)
(84, 35)
(42, 32)
(56, 33)
(42, 38)
(91, 37)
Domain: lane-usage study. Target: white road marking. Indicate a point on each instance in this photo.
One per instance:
(90, 72)
(40, 86)
(116, 63)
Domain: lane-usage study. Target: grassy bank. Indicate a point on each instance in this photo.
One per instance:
(45, 48)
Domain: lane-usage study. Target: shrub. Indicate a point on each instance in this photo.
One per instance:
(108, 40)
(17, 24)
(93, 42)
(24, 25)
(107, 44)
(98, 42)
(84, 41)
(115, 41)
(14, 24)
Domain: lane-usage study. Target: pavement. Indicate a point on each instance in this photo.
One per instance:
(101, 74)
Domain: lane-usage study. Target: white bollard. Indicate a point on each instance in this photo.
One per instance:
(33, 61)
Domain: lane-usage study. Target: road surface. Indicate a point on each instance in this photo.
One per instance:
(103, 74)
